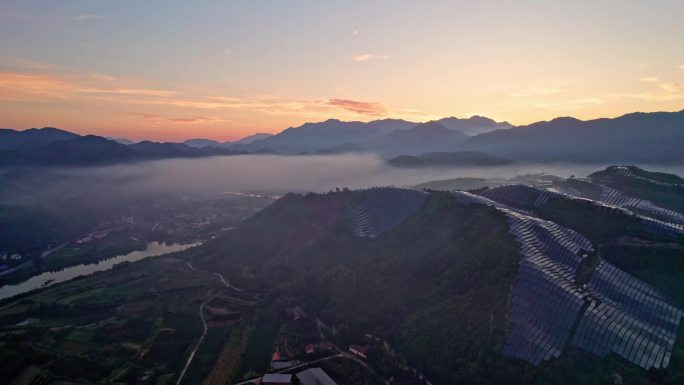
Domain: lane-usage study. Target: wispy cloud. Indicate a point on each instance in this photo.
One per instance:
(643, 65)
(536, 92)
(654, 96)
(570, 104)
(681, 67)
(158, 119)
(103, 88)
(666, 91)
(549, 87)
(355, 32)
(227, 51)
(22, 86)
(30, 87)
(671, 87)
(369, 56)
(86, 17)
(363, 108)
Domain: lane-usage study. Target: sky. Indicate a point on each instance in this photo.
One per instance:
(173, 70)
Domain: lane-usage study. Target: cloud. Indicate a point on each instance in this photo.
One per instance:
(363, 108)
(643, 65)
(227, 51)
(536, 92)
(86, 17)
(652, 79)
(157, 119)
(671, 87)
(368, 57)
(103, 88)
(654, 96)
(570, 104)
(22, 86)
(355, 32)
(30, 87)
(681, 67)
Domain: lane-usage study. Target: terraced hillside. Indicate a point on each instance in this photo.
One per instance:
(624, 315)
(390, 250)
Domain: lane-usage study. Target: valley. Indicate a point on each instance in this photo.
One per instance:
(426, 283)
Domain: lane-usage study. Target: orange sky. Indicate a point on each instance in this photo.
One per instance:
(224, 70)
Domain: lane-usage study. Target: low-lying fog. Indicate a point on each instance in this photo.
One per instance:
(259, 173)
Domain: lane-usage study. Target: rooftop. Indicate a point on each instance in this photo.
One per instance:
(314, 376)
(274, 378)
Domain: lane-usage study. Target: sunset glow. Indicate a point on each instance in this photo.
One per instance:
(222, 70)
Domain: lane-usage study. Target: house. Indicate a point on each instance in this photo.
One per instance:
(325, 346)
(280, 365)
(314, 376)
(276, 379)
(361, 351)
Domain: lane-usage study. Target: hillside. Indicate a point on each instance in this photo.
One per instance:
(312, 137)
(473, 125)
(460, 299)
(448, 159)
(632, 138)
(54, 147)
(423, 138)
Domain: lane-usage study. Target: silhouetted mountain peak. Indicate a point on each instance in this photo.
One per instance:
(431, 127)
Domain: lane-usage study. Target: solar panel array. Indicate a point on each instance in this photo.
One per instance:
(514, 195)
(672, 224)
(629, 318)
(545, 300)
(625, 171)
(382, 209)
(624, 316)
(669, 222)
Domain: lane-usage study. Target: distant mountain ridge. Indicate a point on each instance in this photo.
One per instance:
(313, 137)
(427, 137)
(638, 137)
(633, 138)
(473, 125)
(448, 159)
(51, 146)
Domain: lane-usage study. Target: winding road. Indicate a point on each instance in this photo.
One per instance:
(219, 275)
(192, 354)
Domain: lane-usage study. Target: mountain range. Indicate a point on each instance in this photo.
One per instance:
(636, 138)
(51, 146)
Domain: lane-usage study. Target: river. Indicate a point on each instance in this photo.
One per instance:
(50, 278)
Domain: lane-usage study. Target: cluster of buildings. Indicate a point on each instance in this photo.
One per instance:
(311, 376)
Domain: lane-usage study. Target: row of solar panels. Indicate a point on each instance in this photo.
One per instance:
(515, 195)
(625, 315)
(519, 196)
(628, 318)
(383, 208)
(545, 301)
(614, 197)
(625, 171)
(542, 315)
